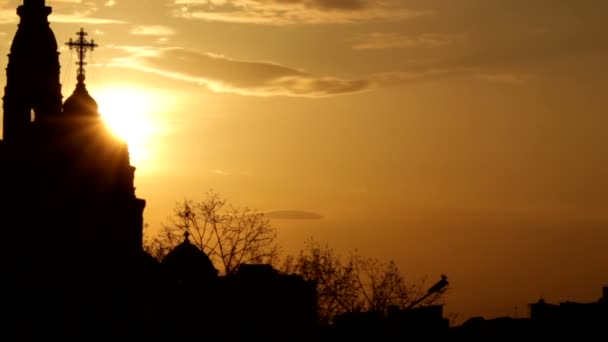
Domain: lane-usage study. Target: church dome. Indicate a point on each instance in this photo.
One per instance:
(80, 102)
(186, 263)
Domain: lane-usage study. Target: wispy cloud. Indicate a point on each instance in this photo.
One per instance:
(84, 18)
(293, 215)
(389, 40)
(227, 75)
(285, 12)
(64, 11)
(505, 77)
(400, 77)
(223, 74)
(220, 172)
(8, 16)
(152, 30)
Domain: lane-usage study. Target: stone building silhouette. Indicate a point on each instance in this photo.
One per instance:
(71, 260)
(71, 222)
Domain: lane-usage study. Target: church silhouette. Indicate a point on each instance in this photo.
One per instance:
(72, 259)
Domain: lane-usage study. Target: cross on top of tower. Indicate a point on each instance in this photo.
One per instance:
(81, 45)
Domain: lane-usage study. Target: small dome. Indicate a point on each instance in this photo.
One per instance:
(187, 263)
(80, 102)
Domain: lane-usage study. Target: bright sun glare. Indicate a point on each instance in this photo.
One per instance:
(128, 112)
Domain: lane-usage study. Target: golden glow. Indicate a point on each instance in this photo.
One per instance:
(129, 113)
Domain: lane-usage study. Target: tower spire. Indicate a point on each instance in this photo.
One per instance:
(33, 2)
(81, 45)
(32, 91)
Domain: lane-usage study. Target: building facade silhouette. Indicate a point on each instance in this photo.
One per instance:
(71, 222)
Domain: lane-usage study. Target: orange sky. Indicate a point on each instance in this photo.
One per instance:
(458, 137)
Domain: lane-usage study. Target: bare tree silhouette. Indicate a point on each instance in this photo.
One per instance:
(229, 235)
(356, 284)
(232, 236)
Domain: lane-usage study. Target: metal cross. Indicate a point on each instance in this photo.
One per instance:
(81, 45)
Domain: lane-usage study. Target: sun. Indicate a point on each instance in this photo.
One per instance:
(129, 113)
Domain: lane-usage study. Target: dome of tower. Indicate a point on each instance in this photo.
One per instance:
(186, 263)
(80, 102)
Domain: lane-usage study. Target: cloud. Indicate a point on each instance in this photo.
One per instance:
(152, 30)
(293, 215)
(223, 74)
(505, 78)
(400, 77)
(331, 4)
(82, 18)
(220, 172)
(388, 40)
(285, 12)
(226, 75)
(64, 11)
(397, 78)
(110, 3)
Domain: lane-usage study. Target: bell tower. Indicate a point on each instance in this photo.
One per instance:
(32, 91)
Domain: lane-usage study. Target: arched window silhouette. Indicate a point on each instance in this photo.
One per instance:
(32, 115)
